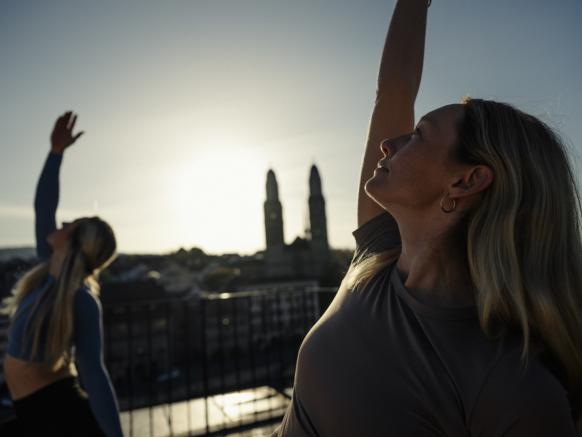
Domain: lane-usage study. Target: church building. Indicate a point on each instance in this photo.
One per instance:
(307, 257)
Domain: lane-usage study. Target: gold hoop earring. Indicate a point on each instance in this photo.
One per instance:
(443, 207)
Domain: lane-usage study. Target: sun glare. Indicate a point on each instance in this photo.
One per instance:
(216, 196)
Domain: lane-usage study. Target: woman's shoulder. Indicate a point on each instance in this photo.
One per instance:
(377, 235)
(86, 300)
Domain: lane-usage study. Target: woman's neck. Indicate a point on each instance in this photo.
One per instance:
(436, 271)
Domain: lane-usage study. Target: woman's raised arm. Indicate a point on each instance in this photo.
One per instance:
(398, 84)
(46, 198)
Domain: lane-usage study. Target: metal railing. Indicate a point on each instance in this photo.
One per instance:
(208, 365)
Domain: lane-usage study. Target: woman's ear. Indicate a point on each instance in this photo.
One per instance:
(481, 177)
(473, 181)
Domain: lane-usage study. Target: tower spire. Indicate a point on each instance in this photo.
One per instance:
(317, 216)
(273, 213)
(272, 186)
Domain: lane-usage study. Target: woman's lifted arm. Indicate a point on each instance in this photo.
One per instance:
(46, 198)
(398, 84)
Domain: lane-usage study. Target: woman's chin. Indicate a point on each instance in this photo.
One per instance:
(55, 244)
(375, 184)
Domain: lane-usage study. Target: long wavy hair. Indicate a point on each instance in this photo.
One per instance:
(522, 241)
(90, 248)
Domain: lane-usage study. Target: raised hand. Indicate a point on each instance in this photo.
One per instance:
(398, 84)
(62, 134)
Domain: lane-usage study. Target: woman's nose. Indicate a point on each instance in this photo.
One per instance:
(386, 147)
(390, 146)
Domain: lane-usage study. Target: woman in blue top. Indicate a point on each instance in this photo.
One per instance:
(56, 318)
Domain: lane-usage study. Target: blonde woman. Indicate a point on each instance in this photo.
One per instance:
(54, 311)
(461, 313)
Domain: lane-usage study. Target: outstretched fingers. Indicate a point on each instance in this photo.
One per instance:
(71, 122)
(76, 137)
(62, 135)
(71, 126)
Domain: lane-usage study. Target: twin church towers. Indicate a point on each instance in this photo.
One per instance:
(305, 257)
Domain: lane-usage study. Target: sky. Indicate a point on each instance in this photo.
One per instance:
(187, 104)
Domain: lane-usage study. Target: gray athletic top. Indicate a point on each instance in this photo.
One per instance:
(380, 362)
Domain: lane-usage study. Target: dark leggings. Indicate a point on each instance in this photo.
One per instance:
(59, 409)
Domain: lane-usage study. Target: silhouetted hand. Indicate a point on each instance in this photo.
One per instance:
(62, 135)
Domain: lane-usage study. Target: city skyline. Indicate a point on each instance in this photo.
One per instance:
(272, 193)
(187, 105)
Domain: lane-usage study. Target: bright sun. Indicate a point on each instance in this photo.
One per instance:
(216, 196)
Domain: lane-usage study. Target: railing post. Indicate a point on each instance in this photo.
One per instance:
(188, 364)
(150, 367)
(252, 352)
(203, 321)
(236, 348)
(169, 372)
(279, 314)
(130, 366)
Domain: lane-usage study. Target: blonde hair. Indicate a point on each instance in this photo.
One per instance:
(91, 247)
(523, 241)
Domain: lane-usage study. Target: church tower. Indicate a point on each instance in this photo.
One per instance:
(273, 214)
(317, 219)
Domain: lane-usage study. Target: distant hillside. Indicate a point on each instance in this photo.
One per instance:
(8, 253)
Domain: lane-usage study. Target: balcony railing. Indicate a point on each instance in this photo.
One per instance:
(208, 365)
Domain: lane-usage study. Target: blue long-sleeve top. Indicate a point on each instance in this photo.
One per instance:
(88, 325)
